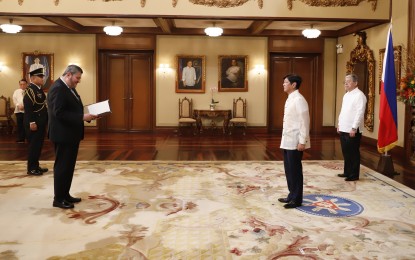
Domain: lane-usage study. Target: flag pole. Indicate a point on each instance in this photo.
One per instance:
(385, 165)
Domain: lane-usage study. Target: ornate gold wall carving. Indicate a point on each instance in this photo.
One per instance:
(362, 63)
(143, 2)
(223, 3)
(235, 3)
(330, 3)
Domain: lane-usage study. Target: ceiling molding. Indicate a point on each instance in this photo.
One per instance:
(65, 22)
(44, 29)
(356, 27)
(166, 25)
(276, 26)
(258, 26)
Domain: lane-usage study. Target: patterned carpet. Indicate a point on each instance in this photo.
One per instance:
(205, 210)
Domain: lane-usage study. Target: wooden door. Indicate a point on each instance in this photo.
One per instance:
(126, 80)
(280, 66)
(140, 92)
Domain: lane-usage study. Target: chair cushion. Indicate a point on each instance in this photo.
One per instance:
(187, 120)
(238, 120)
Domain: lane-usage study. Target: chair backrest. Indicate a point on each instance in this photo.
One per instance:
(4, 107)
(185, 108)
(239, 108)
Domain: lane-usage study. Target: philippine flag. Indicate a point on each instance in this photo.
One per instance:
(388, 124)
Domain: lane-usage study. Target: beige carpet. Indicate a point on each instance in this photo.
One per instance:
(204, 210)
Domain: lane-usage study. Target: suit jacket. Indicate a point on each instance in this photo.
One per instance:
(34, 101)
(66, 114)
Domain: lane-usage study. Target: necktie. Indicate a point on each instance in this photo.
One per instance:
(73, 92)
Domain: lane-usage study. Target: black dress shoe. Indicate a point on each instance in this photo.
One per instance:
(292, 204)
(283, 200)
(63, 204)
(34, 172)
(342, 175)
(351, 179)
(73, 200)
(43, 169)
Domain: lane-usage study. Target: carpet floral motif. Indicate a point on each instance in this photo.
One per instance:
(204, 210)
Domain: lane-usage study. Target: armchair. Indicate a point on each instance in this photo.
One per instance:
(5, 116)
(238, 115)
(186, 115)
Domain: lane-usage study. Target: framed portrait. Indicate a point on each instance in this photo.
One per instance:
(32, 60)
(397, 55)
(233, 73)
(191, 76)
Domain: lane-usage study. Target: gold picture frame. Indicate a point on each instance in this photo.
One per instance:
(196, 75)
(397, 55)
(37, 60)
(233, 73)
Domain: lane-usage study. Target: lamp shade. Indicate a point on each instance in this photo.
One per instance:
(113, 30)
(311, 32)
(10, 27)
(214, 31)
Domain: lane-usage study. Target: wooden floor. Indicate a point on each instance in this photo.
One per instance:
(206, 147)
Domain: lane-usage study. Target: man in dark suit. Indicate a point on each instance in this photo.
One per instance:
(35, 120)
(66, 130)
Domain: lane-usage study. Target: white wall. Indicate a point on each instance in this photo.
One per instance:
(170, 46)
(75, 48)
(81, 49)
(329, 101)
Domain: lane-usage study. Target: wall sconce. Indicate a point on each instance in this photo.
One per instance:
(339, 48)
(1, 67)
(259, 69)
(164, 68)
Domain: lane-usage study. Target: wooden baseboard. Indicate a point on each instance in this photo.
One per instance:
(397, 152)
(91, 129)
(250, 129)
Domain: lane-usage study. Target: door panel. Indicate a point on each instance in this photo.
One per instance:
(117, 92)
(141, 101)
(126, 80)
(305, 68)
(280, 66)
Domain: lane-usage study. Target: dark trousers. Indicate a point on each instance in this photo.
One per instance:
(64, 167)
(21, 134)
(351, 154)
(35, 139)
(294, 174)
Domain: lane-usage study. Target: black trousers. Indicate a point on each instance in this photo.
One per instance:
(351, 154)
(21, 134)
(64, 167)
(35, 139)
(294, 173)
